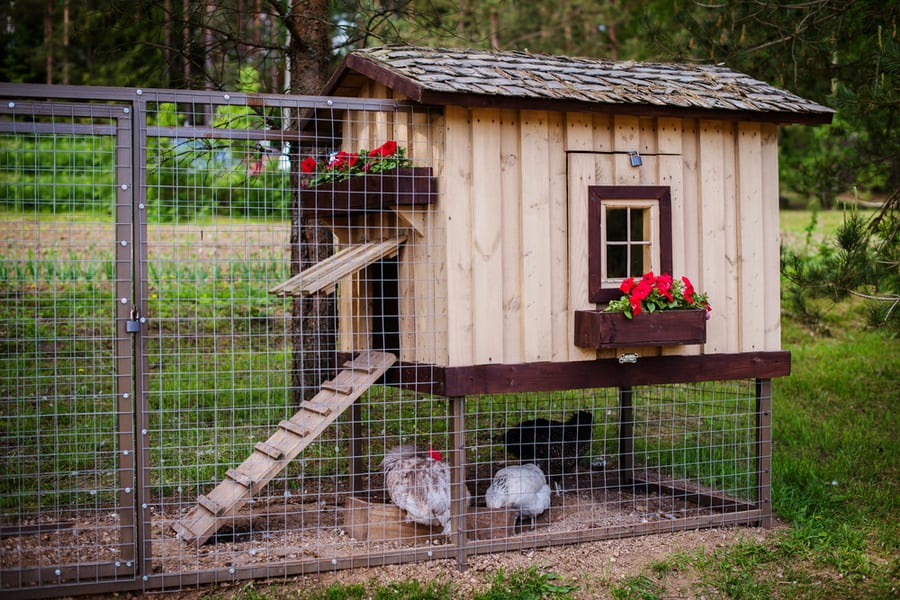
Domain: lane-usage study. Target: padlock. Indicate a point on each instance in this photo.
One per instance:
(635, 158)
(133, 325)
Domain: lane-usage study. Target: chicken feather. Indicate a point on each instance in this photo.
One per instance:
(419, 483)
(520, 487)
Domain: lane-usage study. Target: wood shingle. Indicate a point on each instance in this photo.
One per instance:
(443, 76)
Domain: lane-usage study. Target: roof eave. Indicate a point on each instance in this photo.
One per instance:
(417, 93)
(638, 110)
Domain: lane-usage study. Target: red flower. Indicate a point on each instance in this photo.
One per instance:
(635, 306)
(308, 165)
(627, 285)
(386, 149)
(664, 286)
(688, 290)
(642, 289)
(343, 158)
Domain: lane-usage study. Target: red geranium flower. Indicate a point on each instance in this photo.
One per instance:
(343, 158)
(308, 165)
(386, 149)
(688, 290)
(664, 286)
(653, 293)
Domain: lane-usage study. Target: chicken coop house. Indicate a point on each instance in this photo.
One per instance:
(541, 184)
(431, 371)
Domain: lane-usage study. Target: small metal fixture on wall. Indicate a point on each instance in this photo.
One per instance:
(635, 158)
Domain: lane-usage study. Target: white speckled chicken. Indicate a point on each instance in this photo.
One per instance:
(419, 483)
(522, 487)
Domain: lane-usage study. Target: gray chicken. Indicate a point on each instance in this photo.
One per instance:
(418, 482)
(521, 487)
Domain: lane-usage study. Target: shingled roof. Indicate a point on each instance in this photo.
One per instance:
(444, 76)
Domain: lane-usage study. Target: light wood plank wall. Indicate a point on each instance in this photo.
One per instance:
(513, 200)
(421, 267)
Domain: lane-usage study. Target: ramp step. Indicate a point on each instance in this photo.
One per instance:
(210, 505)
(239, 478)
(273, 452)
(339, 388)
(315, 407)
(363, 366)
(291, 427)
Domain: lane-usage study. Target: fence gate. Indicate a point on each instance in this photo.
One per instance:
(66, 370)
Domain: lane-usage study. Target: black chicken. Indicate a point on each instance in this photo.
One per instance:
(552, 445)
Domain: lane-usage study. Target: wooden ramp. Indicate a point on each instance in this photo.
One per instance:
(271, 457)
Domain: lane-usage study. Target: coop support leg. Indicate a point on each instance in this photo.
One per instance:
(764, 451)
(356, 462)
(626, 436)
(458, 477)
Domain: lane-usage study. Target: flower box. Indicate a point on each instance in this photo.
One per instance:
(403, 186)
(601, 330)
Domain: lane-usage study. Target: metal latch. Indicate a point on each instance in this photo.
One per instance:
(133, 325)
(628, 358)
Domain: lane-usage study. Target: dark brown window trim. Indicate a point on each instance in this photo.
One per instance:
(596, 194)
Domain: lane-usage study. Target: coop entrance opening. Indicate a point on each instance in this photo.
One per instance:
(385, 305)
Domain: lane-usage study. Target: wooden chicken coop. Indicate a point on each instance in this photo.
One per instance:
(468, 283)
(540, 184)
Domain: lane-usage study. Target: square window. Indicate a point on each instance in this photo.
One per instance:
(629, 233)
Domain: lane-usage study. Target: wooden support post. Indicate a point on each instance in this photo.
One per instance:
(458, 476)
(626, 436)
(356, 445)
(764, 451)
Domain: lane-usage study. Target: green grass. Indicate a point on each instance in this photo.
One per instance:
(804, 228)
(519, 584)
(836, 460)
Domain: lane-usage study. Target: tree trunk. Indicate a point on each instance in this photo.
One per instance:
(313, 326)
(48, 39)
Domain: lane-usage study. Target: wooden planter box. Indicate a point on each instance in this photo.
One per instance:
(601, 330)
(405, 186)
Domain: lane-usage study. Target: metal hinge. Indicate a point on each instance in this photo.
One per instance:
(628, 358)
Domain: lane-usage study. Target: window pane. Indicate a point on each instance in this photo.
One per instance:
(639, 222)
(617, 224)
(616, 262)
(638, 265)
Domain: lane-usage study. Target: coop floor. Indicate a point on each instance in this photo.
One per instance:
(307, 528)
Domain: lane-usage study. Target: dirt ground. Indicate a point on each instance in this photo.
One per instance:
(591, 567)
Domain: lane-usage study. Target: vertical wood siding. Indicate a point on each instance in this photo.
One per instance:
(504, 265)
(529, 243)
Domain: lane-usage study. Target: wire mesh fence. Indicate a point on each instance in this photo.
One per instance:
(183, 396)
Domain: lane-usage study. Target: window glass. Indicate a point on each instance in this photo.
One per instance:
(616, 224)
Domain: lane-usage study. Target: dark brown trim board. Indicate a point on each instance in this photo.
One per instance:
(587, 374)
